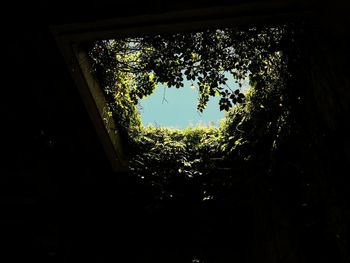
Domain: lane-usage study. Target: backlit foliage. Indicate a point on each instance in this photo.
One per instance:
(129, 69)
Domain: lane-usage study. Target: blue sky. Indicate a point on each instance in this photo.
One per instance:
(179, 110)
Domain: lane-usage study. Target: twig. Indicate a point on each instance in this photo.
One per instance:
(164, 99)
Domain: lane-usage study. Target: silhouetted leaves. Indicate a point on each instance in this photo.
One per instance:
(166, 159)
(202, 57)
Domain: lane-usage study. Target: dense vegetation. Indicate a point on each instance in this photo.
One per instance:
(131, 68)
(265, 153)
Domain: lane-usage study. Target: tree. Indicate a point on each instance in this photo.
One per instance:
(201, 57)
(130, 69)
(273, 140)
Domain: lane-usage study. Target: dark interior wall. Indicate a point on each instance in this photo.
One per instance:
(54, 165)
(60, 200)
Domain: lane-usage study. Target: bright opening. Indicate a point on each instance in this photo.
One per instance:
(176, 108)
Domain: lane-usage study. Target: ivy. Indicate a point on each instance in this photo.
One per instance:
(130, 69)
(204, 58)
(265, 146)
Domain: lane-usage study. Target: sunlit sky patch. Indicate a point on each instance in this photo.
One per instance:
(176, 108)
